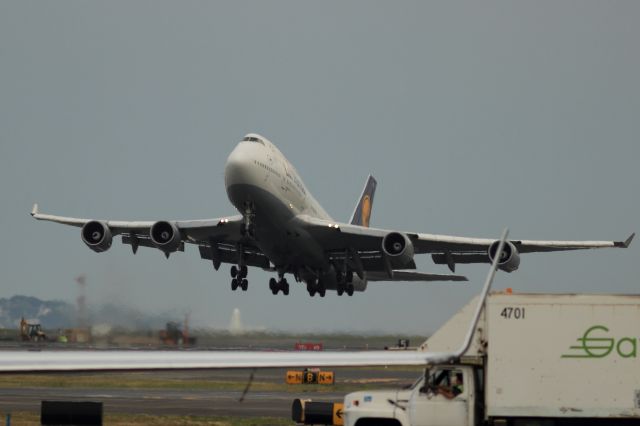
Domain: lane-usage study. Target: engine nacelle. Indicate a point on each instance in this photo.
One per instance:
(97, 236)
(398, 248)
(510, 258)
(166, 236)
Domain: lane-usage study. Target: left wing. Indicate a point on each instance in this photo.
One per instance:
(97, 360)
(219, 239)
(367, 243)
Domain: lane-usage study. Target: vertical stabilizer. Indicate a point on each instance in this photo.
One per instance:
(362, 212)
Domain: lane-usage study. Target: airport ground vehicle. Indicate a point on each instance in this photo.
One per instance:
(31, 331)
(174, 335)
(535, 360)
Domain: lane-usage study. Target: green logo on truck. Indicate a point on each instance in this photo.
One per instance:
(595, 344)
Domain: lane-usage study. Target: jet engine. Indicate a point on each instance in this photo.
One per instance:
(97, 236)
(398, 248)
(165, 236)
(510, 258)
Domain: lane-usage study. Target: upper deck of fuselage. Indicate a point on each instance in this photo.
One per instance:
(255, 157)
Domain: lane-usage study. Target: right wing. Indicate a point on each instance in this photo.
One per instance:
(344, 239)
(219, 239)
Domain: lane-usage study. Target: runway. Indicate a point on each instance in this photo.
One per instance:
(163, 402)
(183, 401)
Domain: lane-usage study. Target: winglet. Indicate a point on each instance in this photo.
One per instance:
(34, 210)
(626, 243)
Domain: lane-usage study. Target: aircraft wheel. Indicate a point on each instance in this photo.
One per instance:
(245, 285)
(234, 284)
(340, 291)
(234, 271)
(243, 271)
(322, 292)
(285, 288)
(350, 290)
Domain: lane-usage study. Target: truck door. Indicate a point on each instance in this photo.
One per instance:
(444, 400)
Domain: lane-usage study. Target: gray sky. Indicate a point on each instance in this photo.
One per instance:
(128, 110)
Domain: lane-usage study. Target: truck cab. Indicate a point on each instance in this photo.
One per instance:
(444, 396)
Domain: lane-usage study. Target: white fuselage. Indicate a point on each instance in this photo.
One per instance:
(267, 190)
(259, 165)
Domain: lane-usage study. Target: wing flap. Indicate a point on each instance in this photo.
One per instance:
(136, 241)
(225, 253)
(412, 276)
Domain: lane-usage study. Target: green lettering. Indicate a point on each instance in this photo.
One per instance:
(597, 347)
(593, 347)
(632, 345)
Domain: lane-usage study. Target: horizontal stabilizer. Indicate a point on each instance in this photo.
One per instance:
(412, 276)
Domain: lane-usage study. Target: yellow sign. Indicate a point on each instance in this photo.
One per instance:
(294, 377)
(325, 378)
(338, 414)
(307, 377)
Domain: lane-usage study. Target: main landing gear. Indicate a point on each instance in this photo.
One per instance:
(280, 285)
(345, 283)
(316, 286)
(239, 275)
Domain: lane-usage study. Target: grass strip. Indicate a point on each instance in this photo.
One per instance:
(23, 418)
(132, 381)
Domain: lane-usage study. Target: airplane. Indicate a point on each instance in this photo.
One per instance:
(45, 361)
(283, 229)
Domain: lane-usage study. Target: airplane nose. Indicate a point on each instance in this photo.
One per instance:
(238, 166)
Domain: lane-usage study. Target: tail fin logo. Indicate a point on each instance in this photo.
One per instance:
(366, 210)
(362, 213)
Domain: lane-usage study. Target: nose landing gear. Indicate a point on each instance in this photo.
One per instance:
(248, 227)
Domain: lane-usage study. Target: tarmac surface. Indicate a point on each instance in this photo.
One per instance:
(203, 402)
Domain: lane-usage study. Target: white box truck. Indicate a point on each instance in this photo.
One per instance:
(535, 360)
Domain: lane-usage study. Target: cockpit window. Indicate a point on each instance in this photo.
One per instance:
(253, 139)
